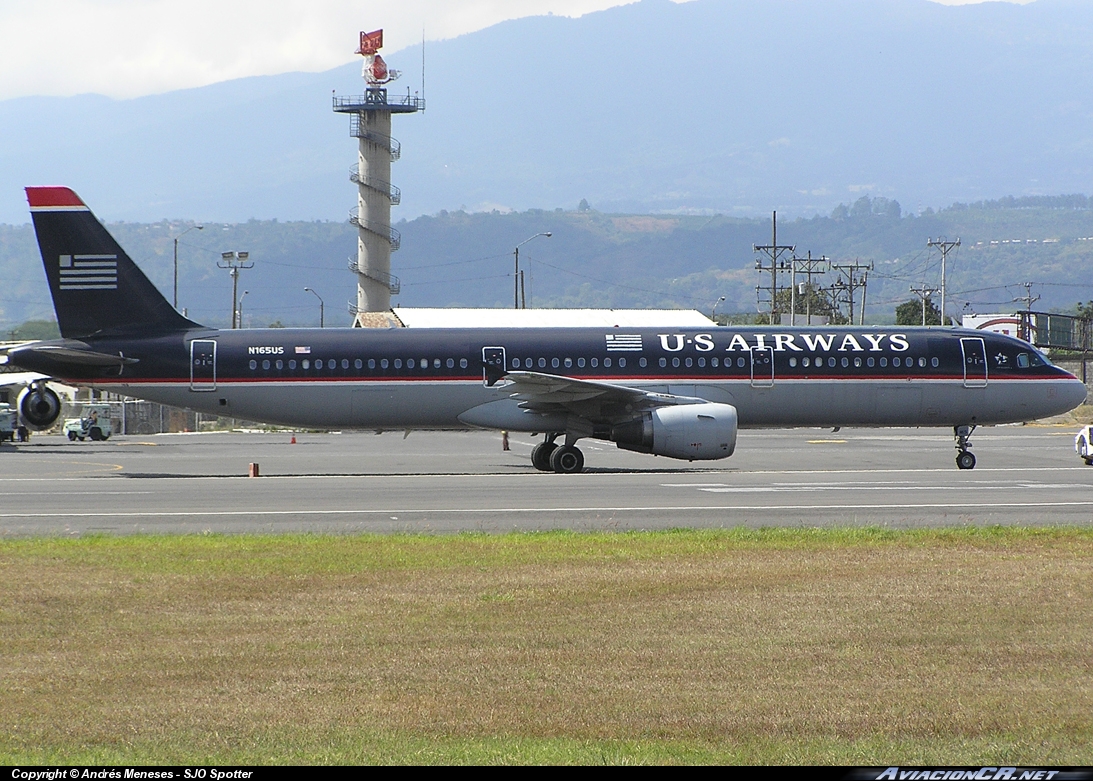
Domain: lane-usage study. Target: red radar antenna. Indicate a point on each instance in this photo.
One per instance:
(375, 70)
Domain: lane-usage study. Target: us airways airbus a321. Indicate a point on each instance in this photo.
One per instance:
(676, 393)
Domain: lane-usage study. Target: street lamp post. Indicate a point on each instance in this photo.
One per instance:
(516, 276)
(179, 236)
(239, 309)
(713, 312)
(309, 290)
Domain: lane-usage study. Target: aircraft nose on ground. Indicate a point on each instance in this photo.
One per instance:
(1073, 392)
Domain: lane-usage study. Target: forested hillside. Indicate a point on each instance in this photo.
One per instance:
(598, 259)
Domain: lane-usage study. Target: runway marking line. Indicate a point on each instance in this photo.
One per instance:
(544, 510)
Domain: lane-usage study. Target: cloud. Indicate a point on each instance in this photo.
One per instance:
(128, 48)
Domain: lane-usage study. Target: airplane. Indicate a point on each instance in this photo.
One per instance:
(679, 393)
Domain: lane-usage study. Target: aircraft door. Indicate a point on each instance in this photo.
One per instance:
(493, 365)
(203, 365)
(762, 367)
(975, 362)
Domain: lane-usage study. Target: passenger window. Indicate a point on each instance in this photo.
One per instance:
(831, 362)
(607, 362)
(371, 363)
(580, 362)
(845, 361)
(436, 363)
(542, 363)
(740, 362)
(857, 362)
(804, 362)
(265, 365)
(675, 363)
(254, 364)
(462, 363)
(883, 362)
(622, 363)
(358, 364)
(663, 362)
(702, 363)
(554, 363)
(569, 363)
(934, 361)
(869, 361)
(306, 364)
(643, 363)
(398, 363)
(345, 363)
(515, 363)
(687, 361)
(713, 362)
(792, 362)
(594, 362)
(922, 363)
(450, 363)
(280, 365)
(292, 364)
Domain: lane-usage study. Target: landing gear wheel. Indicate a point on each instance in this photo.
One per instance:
(540, 456)
(71, 436)
(567, 460)
(965, 460)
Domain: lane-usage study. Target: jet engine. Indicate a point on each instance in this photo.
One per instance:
(696, 432)
(39, 406)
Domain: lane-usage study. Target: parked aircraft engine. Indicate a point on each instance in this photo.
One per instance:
(39, 406)
(696, 432)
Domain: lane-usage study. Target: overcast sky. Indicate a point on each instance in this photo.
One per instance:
(128, 48)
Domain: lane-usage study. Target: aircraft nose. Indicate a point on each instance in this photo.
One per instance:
(1074, 392)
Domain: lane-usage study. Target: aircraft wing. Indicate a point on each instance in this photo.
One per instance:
(552, 392)
(10, 379)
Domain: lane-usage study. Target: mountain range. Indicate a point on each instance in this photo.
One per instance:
(735, 107)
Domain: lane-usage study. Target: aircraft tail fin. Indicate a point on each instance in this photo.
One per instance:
(96, 286)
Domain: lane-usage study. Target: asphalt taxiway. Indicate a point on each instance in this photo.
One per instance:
(440, 482)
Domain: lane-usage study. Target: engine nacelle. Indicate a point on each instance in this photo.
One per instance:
(39, 406)
(696, 432)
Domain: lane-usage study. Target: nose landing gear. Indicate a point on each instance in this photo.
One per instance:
(964, 457)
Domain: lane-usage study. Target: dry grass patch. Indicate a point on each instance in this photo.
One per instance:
(777, 645)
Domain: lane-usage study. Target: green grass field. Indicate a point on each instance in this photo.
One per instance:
(771, 646)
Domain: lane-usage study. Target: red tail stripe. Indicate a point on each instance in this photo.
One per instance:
(52, 196)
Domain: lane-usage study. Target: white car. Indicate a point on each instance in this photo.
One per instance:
(1083, 444)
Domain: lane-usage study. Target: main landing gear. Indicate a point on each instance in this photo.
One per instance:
(964, 457)
(550, 457)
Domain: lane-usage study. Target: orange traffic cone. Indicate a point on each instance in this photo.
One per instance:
(293, 442)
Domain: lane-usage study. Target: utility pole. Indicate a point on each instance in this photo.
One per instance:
(850, 279)
(234, 262)
(774, 251)
(1028, 300)
(946, 247)
(924, 293)
(807, 266)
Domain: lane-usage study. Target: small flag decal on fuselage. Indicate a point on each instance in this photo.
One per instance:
(303, 350)
(89, 272)
(624, 343)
